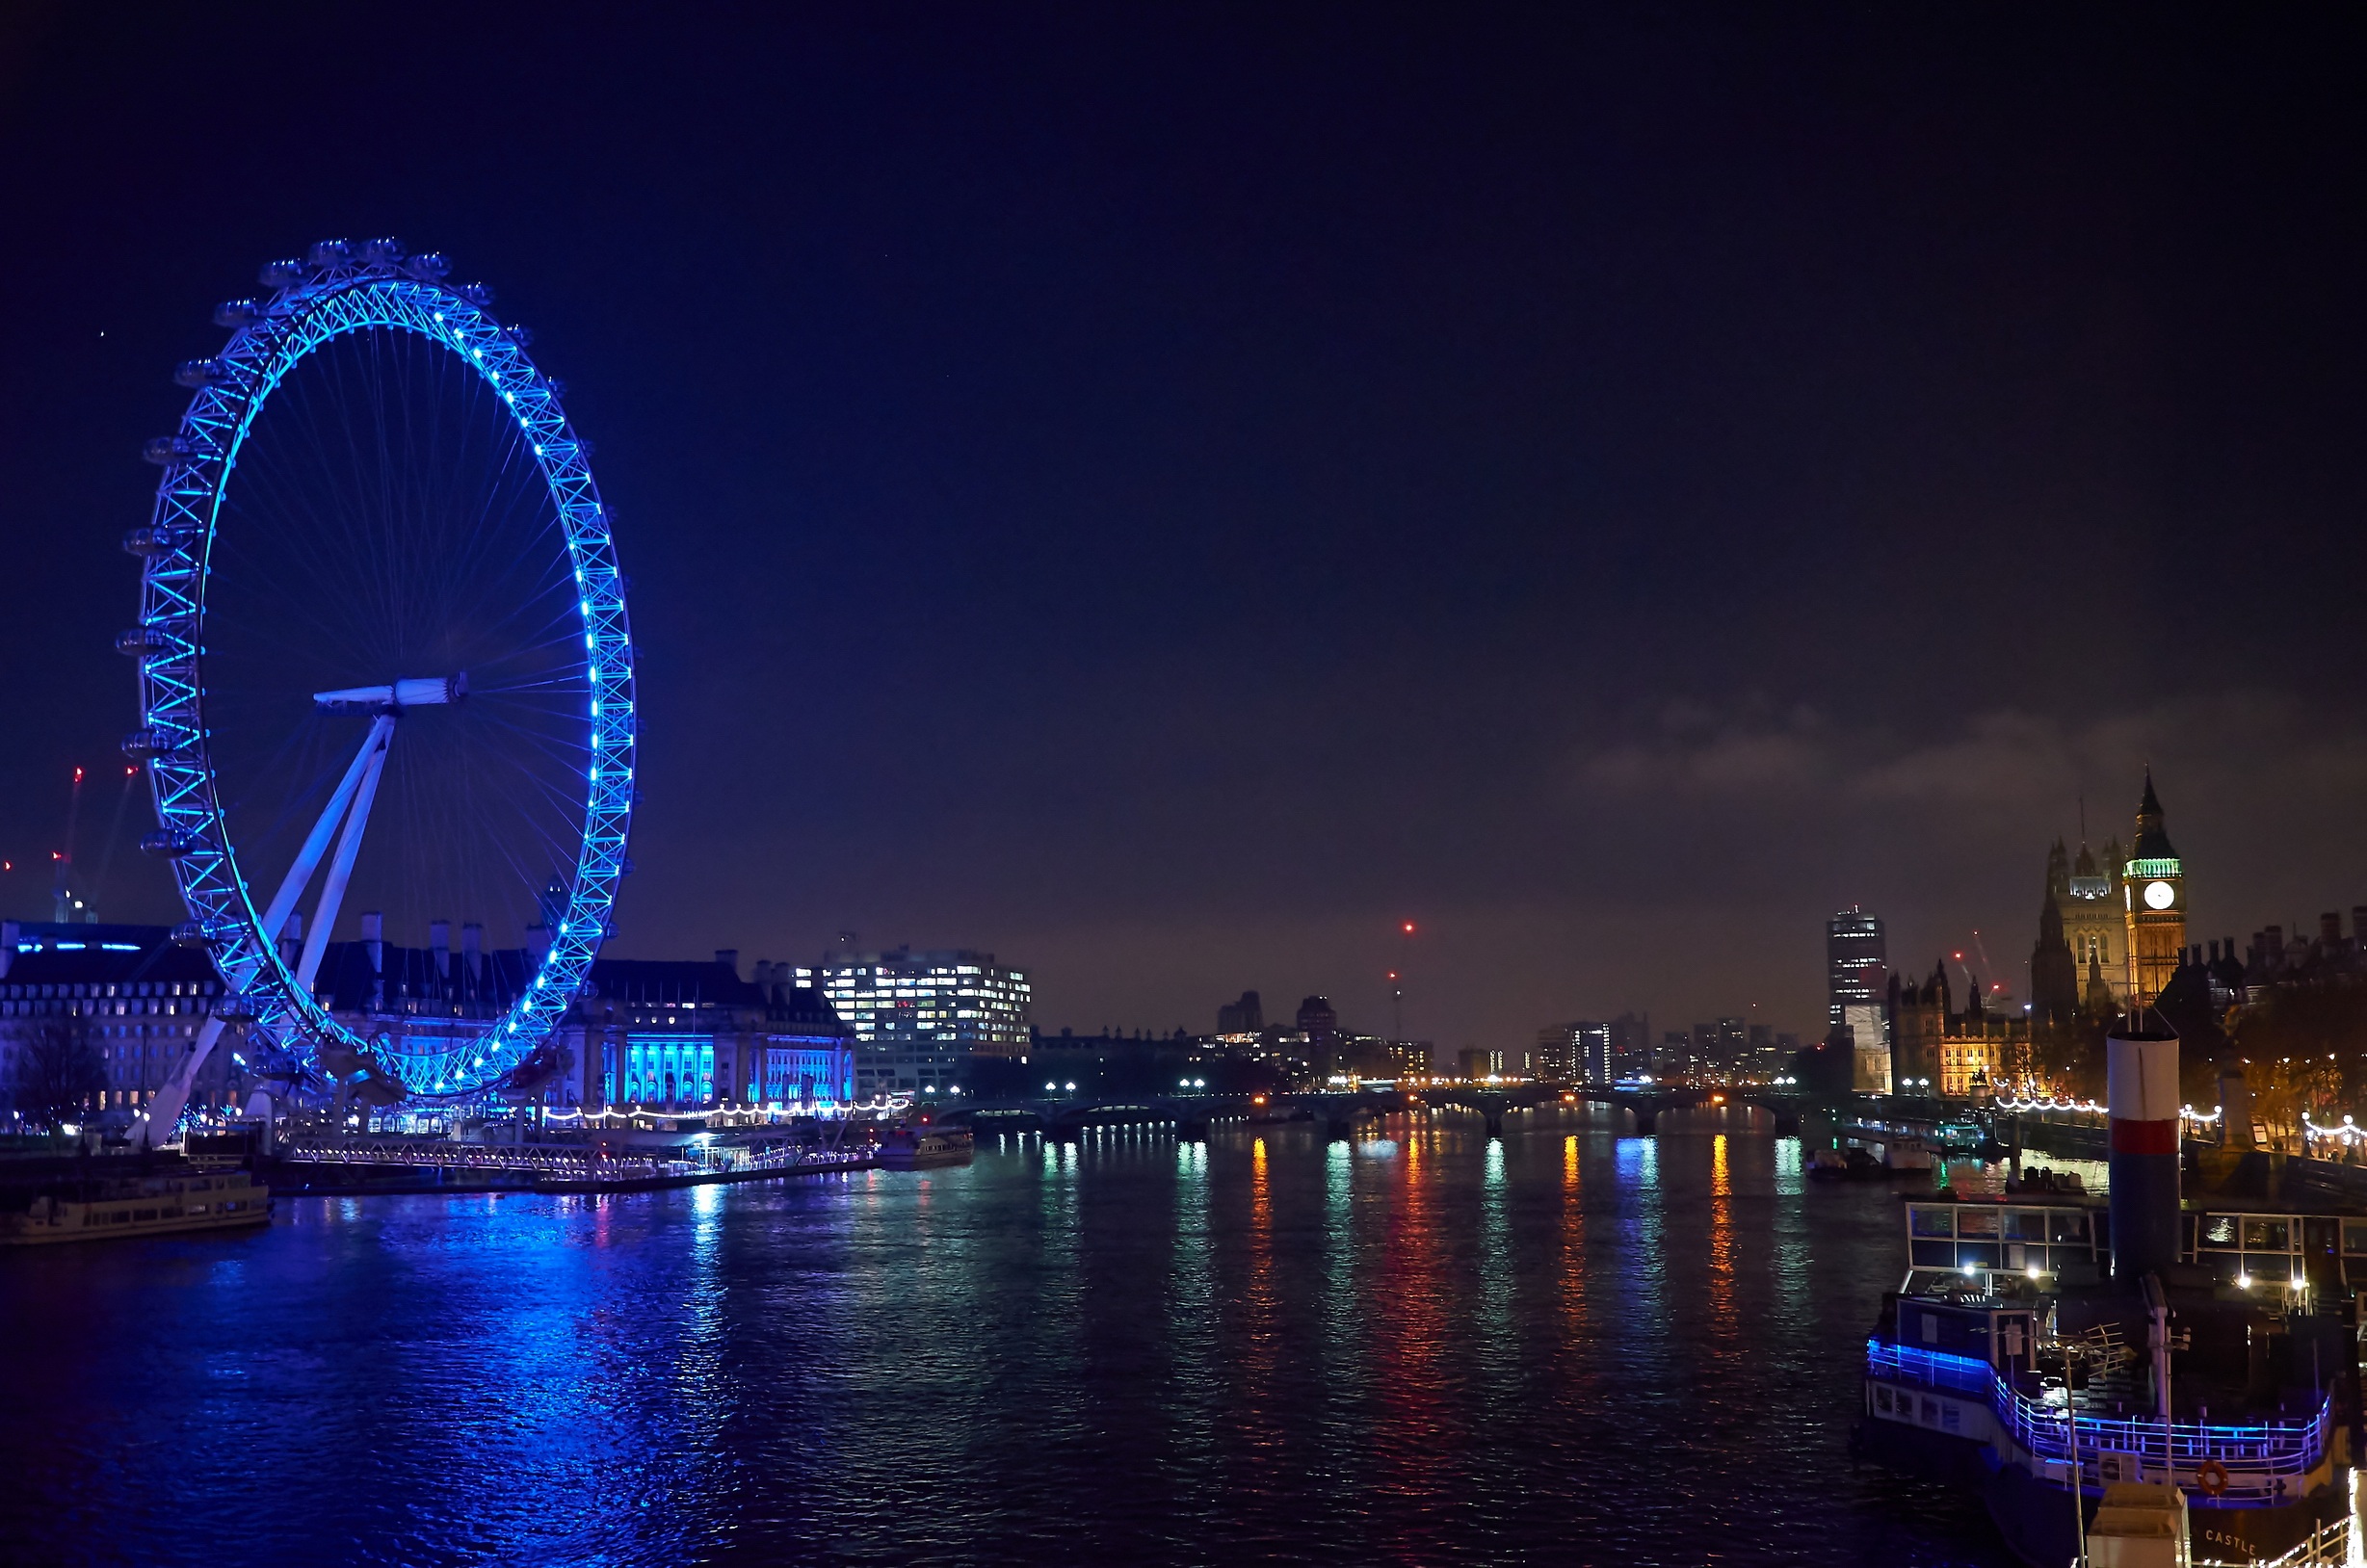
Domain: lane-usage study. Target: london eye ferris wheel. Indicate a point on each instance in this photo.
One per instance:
(385, 674)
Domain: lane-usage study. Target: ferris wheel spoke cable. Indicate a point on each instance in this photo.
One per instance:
(375, 491)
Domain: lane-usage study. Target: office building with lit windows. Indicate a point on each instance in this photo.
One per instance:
(917, 1017)
(1857, 972)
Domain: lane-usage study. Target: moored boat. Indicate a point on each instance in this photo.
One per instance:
(918, 1148)
(2075, 1358)
(120, 1206)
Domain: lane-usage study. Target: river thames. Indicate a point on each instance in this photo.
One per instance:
(1565, 1346)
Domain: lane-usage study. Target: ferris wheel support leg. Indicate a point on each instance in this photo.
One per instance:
(316, 844)
(349, 845)
(164, 1111)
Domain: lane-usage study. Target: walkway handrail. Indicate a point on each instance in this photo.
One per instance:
(2252, 1454)
(570, 1161)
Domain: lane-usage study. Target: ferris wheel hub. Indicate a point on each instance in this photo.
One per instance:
(548, 766)
(420, 692)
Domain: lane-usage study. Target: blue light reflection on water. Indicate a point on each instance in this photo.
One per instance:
(1427, 1347)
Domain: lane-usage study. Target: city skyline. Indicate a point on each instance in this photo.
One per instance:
(1614, 527)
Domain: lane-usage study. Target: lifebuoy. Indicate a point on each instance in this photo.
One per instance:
(2212, 1477)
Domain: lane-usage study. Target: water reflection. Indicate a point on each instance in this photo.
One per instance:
(1721, 1324)
(1270, 1346)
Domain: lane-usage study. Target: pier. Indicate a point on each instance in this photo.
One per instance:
(400, 1164)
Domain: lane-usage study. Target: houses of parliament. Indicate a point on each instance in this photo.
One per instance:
(2111, 929)
(2112, 938)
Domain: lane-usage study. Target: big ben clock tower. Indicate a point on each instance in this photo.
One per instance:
(2153, 893)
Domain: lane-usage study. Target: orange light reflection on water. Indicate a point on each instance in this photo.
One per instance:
(1721, 1241)
(1573, 1243)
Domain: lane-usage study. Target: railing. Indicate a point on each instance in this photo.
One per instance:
(568, 1163)
(2329, 1546)
(2255, 1457)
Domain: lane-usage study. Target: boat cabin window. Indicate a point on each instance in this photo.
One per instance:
(1925, 1220)
(2067, 1226)
(2267, 1236)
(2353, 1236)
(2027, 1225)
(1977, 1222)
(2218, 1230)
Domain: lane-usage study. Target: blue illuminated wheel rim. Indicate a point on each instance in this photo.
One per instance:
(343, 296)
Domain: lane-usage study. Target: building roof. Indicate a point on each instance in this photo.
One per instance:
(2152, 843)
(648, 981)
(100, 955)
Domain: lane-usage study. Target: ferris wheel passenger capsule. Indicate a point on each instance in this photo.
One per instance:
(429, 266)
(522, 336)
(170, 842)
(476, 294)
(280, 275)
(153, 741)
(190, 934)
(154, 541)
(237, 313)
(382, 252)
(197, 373)
(167, 449)
(141, 641)
(331, 254)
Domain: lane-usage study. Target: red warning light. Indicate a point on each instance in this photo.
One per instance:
(1408, 927)
(77, 775)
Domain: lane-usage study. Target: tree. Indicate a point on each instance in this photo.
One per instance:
(2304, 1052)
(58, 1073)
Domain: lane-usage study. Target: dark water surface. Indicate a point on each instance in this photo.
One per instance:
(1563, 1347)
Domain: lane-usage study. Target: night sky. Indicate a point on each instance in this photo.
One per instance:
(1164, 496)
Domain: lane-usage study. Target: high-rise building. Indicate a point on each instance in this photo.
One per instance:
(1575, 1053)
(1759, 1059)
(1631, 1045)
(1733, 1044)
(918, 1016)
(2154, 899)
(1594, 1053)
(1858, 977)
(1318, 1023)
(1245, 1016)
(1856, 962)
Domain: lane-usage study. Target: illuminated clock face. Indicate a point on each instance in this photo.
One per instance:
(2160, 895)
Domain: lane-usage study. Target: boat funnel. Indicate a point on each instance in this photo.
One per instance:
(2141, 1078)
